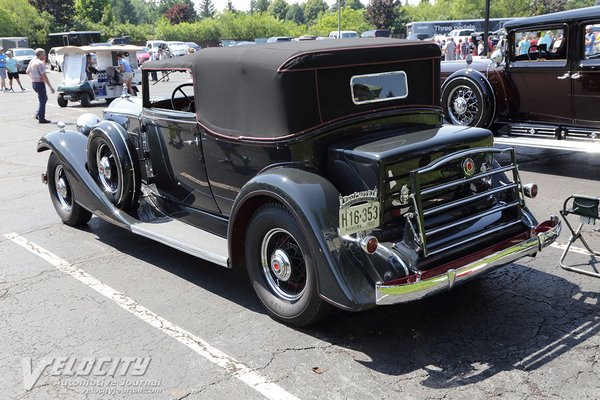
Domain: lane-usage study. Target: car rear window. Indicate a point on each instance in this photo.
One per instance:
(379, 87)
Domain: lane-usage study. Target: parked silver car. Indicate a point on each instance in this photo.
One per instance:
(23, 55)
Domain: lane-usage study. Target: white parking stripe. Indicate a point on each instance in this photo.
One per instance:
(549, 143)
(572, 248)
(212, 354)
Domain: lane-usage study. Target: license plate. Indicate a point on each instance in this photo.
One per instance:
(360, 217)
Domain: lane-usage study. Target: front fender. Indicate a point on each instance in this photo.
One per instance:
(482, 83)
(314, 202)
(71, 149)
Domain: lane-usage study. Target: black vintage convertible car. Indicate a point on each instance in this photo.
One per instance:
(321, 167)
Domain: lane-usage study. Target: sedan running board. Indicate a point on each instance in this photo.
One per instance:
(186, 238)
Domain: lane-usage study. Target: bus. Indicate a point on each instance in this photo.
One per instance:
(433, 28)
(73, 38)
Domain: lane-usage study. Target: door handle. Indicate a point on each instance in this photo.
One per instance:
(576, 75)
(565, 76)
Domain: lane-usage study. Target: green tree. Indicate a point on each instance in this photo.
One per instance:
(261, 6)
(207, 9)
(548, 6)
(312, 9)
(353, 4)
(91, 10)
(230, 7)
(352, 20)
(295, 14)
(382, 13)
(61, 10)
(19, 18)
(278, 9)
(573, 4)
(510, 8)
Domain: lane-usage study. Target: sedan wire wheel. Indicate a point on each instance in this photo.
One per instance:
(283, 265)
(463, 105)
(63, 190)
(107, 169)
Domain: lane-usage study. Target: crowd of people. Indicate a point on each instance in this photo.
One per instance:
(459, 50)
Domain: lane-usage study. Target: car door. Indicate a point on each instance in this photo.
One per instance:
(586, 76)
(176, 145)
(540, 76)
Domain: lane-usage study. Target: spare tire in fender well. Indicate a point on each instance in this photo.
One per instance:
(124, 173)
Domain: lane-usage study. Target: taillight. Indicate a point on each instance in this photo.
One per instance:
(369, 244)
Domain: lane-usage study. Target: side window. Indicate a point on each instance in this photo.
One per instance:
(539, 45)
(591, 41)
(170, 89)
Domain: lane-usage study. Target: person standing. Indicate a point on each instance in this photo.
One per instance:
(37, 72)
(13, 72)
(3, 70)
(126, 73)
(450, 49)
(465, 49)
(162, 55)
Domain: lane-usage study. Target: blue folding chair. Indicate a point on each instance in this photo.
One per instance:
(588, 209)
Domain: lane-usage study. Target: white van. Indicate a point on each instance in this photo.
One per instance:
(343, 34)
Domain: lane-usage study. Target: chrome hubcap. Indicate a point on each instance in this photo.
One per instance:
(104, 168)
(460, 106)
(283, 265)
(463, 106)
(107, 167)
(62, 188)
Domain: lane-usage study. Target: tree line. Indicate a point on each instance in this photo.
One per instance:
(180, 19)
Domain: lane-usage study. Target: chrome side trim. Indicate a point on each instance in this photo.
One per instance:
(394, 294)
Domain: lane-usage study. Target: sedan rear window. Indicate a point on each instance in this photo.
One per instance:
(379, 87)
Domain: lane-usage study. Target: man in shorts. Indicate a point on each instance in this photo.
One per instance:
(13, 72)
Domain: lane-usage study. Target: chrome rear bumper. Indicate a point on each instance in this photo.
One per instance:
(545, 234)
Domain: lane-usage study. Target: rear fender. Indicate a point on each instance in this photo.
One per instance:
(314, 202)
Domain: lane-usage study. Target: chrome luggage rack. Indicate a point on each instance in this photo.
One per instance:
(478, 165)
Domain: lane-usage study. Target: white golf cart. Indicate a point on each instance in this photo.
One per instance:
(104, 83)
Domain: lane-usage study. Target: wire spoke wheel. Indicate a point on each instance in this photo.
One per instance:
(283, 264)
(463, 105)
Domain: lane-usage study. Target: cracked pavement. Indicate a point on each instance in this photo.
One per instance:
(526, 331)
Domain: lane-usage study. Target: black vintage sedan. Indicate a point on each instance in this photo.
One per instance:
(321, 167)
(547, 85)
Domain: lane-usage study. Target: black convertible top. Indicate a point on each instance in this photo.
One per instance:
(281, 89)
(581, 14)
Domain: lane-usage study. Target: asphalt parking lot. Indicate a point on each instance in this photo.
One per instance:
(99, 313)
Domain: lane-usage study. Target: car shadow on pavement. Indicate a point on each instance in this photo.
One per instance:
(515, 318)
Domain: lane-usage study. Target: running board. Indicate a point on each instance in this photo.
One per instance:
(186, 238)
(555, 131)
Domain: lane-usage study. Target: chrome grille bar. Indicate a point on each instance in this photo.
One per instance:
(475, 237)
(457, 182)
(467, 200)
(471, 218)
